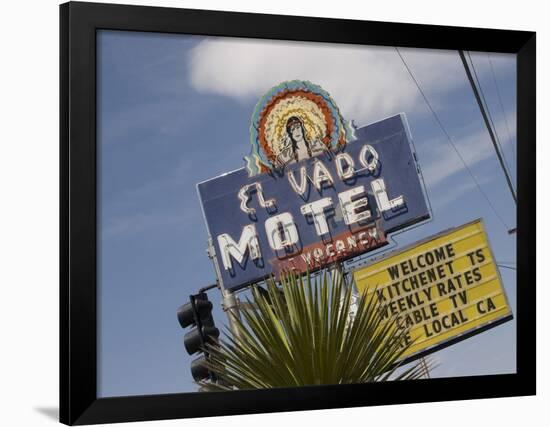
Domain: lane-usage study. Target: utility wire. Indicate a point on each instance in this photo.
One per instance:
(502, 108)
(507, 266)
(425, 367)
(487, 124)
(487, 109)
(449, 139)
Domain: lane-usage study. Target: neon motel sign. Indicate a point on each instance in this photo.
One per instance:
(313, 192)
(281, 230)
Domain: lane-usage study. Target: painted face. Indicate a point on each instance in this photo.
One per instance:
(296, 132)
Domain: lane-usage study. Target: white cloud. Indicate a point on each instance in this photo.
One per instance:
(449, 195)
(367, 83)
(439, 160)
(443, 161)
(440, 163)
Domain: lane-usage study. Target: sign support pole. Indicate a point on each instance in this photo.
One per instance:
(229, 300)
(231, 307)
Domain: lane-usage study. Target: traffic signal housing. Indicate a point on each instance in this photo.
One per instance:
(197, 314)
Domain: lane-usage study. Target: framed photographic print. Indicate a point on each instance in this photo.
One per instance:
(268, 213)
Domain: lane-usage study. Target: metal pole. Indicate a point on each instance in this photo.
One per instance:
(230, 305)
(487, 124)
(229, 300)
(339, 273)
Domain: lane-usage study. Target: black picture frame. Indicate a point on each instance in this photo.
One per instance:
(79, 22)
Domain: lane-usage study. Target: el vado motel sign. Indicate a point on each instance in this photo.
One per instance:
(315, 190)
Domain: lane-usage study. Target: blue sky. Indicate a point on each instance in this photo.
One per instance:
(174, 110)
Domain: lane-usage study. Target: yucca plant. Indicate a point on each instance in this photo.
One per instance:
(300, 332)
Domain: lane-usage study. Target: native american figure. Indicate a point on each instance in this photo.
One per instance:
(294, 121)
(296, 144)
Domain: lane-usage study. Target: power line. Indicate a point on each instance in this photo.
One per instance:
(507, 266)
(449, 139)
(425, 367)
(488, 110)
(502, 108)
(487, 124)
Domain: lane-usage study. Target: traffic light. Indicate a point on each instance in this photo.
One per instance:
(198, 314)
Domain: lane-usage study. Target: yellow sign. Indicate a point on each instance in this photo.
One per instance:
(442, 289)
